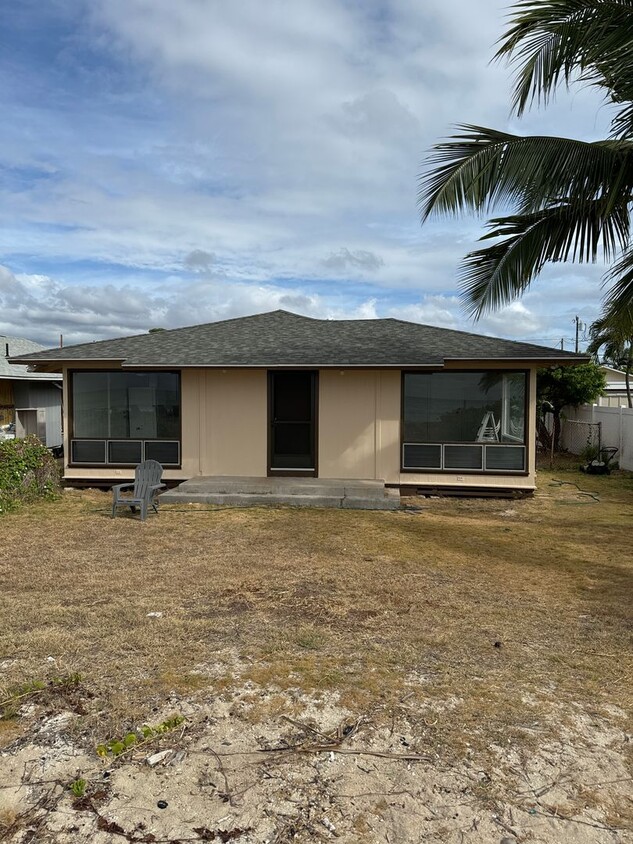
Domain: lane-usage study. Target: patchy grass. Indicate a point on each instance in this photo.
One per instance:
(477, 616)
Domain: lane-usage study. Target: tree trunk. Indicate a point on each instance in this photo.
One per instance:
(544, 435)
(556, 429)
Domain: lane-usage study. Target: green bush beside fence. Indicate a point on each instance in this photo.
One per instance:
(28, 471)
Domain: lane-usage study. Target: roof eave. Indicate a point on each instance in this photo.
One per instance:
(125, 364)
(27, 361)
(553, 361)
(32, 376)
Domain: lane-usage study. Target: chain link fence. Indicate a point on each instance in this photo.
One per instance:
(583, 438)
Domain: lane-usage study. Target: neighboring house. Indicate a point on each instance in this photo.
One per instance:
(614, 394)
(282, 394)
(30, 401)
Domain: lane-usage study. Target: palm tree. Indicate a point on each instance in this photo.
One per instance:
(613, 333)
(569, 199)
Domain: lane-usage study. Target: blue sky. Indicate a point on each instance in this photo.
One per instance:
(167, 163)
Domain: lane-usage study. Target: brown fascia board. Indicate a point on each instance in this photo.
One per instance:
(61, 361)
(536, 361)
(515, 361)
(51, 376)
(122, 361)
(281, 365)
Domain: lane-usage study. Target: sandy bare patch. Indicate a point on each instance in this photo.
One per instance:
(317, 776)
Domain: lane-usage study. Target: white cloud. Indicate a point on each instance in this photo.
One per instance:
(199, 260)
(178, 162)
(362, 259)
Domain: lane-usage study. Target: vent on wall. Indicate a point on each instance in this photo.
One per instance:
(88, 451)
(166, 452)
(505, 458)
(463, 457)
(422, 456)
(124, 452)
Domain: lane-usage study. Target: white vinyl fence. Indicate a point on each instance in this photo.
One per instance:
(616, 430)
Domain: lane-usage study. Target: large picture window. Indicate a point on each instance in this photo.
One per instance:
(117, 417)
(464, 421)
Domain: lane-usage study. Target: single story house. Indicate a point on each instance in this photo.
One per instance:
(30, 402)
(614, 394)
(278, 394)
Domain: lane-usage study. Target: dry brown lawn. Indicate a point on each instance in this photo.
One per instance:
(491, 622)
(485, 600)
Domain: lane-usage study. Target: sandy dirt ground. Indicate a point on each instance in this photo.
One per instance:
(323, 775)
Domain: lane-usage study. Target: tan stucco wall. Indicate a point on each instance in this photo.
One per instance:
(359, 424)
(225, 429)
(234, 437)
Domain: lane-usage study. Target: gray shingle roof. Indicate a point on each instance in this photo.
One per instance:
(19, 346)
(280, 338)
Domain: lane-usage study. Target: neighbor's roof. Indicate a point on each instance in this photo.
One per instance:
(18, 347)
(283, 339)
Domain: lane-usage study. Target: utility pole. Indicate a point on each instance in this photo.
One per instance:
(562, 344)
(580, 326)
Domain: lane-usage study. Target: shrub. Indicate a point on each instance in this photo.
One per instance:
(27, 472)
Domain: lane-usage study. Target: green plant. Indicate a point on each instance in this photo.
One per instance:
(613, 333)
(560, 386)
(78, 787)
(590, 452)
(14, 696)
(115, 747)
(27, 472)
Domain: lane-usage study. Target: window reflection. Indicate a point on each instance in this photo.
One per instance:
(464, 407)
(122, 405)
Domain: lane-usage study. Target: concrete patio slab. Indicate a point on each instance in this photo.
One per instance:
(294, 491)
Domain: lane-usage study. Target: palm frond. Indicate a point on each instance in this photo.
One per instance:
(613, 333)
(480, 168)
(554, 41)
(619, 299)
(622, 123)
(494, 276)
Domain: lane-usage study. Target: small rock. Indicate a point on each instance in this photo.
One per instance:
(162, 804)
(157, 758)
(154, 615)
(327, 823)
(507, 840)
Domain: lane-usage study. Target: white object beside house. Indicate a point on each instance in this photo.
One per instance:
(30, 402)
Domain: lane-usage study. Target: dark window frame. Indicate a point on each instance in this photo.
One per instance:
(71, 421)
(487, 472)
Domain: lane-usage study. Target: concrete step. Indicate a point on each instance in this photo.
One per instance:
(338, 488)
(236, 499)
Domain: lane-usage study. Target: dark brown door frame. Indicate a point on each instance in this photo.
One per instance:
(291, 473)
